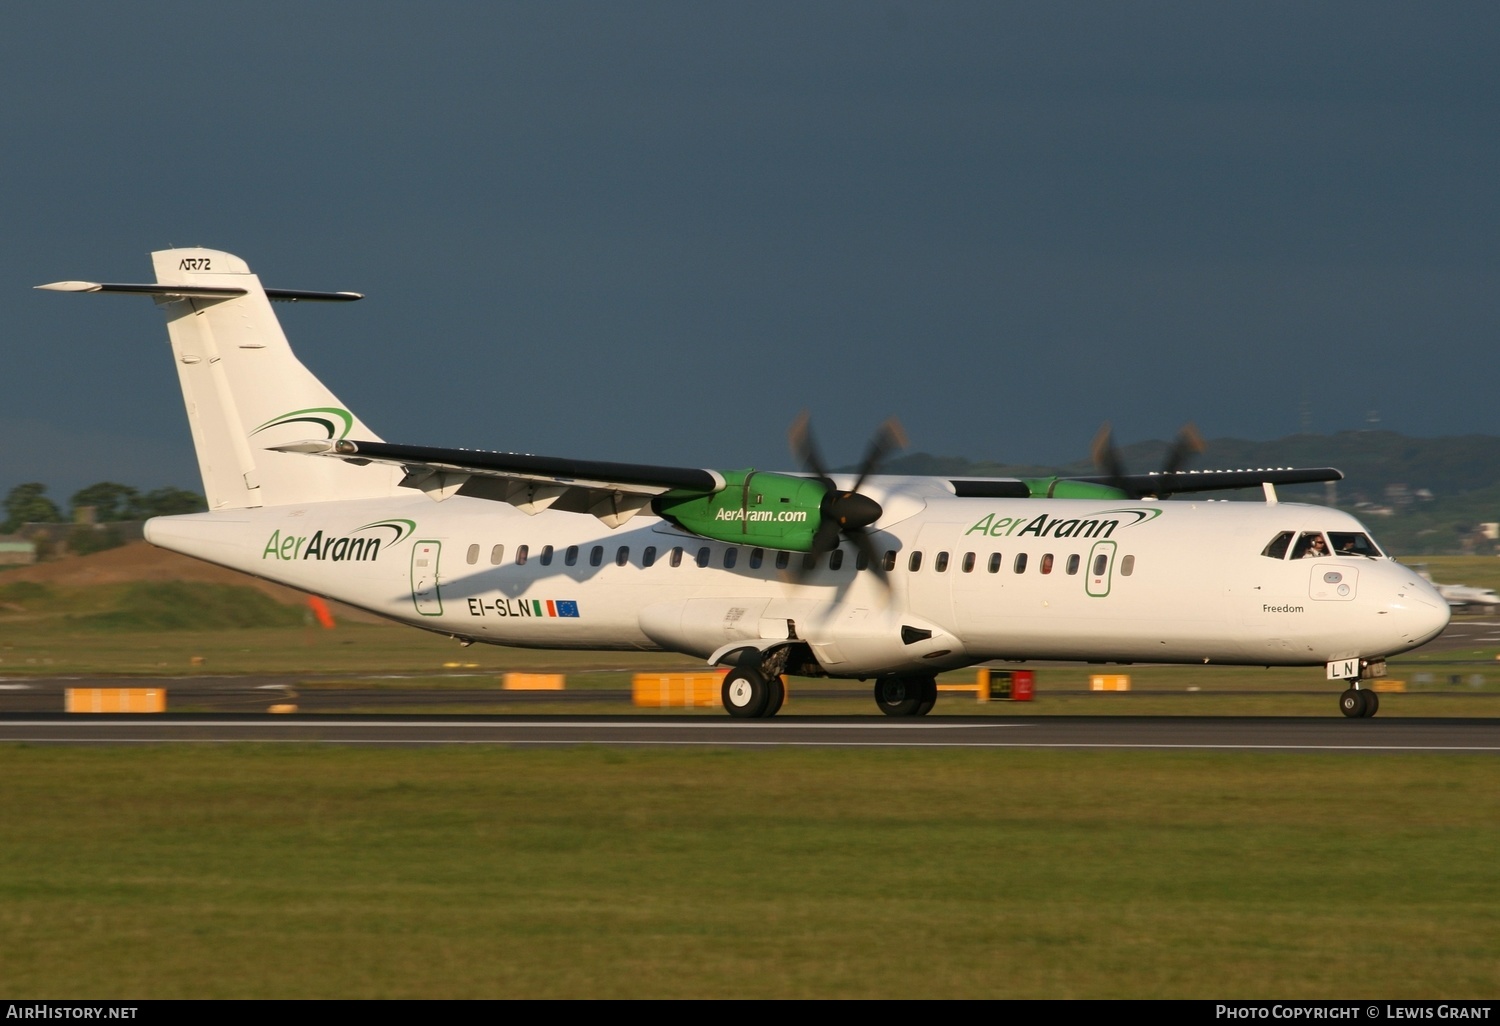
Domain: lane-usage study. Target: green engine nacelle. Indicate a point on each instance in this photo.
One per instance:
(1061, 488)
(773, 511)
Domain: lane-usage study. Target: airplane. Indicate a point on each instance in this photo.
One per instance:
(883, 578)
(1462, 596)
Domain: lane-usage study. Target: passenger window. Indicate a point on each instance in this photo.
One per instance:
(1277, 546)
(1073, 562)
(1101, 563)
(757, 557)
(546, 557)
(1020, 566)
(648, 557)
(836, 559)
(596, 555)
(914, 561)
(497, 555)
(622, 555)
(571, 556)
(1127, 566)
(1310, 546)
(1352, 543)
(783, 560)
(995, 561)
(940, 563)
(472, 556)
(521, 552)
(810, 562)
(677, 556)
(731, 555)
(968, 564)
(861, 561)
(703, 556)
(1047, 563)
(888, 561)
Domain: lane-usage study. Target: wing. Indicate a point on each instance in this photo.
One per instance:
(1161, 485)
(613, 492)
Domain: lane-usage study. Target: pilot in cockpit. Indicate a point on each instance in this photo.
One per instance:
(1311, 546)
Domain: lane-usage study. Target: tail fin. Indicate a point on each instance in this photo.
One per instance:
(245, 390)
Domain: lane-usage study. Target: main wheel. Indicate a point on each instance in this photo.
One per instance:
(1372, 702)
(929, 696)
(745, 693)
(1352, 703)
(777, 689)
(898, 696)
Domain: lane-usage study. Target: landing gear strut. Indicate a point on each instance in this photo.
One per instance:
(1359, 702)
(906, 696)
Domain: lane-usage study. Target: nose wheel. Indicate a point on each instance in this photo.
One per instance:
(1359, 703)
(906, 696)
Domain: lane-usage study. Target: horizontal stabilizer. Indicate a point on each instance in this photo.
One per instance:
(200, 291)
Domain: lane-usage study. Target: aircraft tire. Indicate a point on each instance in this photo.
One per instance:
(899, 696)
(929, 696)
(1372, 703)
(1352, 703)
(746, 694)
(777, 695)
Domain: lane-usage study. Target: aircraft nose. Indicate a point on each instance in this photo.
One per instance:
(1420, 613)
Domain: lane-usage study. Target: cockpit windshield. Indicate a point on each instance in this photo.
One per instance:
(1276, 548)
(1352, 543)
(1314, 544)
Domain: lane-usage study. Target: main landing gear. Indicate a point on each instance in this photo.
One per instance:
(1359, 702)
(906, 696)
(749, 694)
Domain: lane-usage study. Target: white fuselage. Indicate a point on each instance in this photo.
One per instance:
(1103, 580)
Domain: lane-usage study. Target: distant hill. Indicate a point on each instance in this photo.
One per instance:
(1387, 479)
(140, 562)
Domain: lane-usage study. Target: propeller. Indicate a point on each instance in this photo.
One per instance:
(1107, 460)
(846, 513)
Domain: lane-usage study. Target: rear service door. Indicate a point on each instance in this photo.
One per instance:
(425, 583)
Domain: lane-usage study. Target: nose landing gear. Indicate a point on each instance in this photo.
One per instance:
(1359, 702)
(906, 696)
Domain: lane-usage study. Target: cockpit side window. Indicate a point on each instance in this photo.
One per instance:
(1310, 545)
(1278, 545)
(1352, 543)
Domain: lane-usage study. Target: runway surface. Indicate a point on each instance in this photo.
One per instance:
(1286, 734)
(233, 709)
(1481, 633)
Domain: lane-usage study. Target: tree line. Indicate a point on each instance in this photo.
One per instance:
(111, 502)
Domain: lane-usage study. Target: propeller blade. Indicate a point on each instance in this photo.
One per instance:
(1107, 460)
(889, 437)
(1187, 443)
(872, 559)
(845, 513)
(799, 436)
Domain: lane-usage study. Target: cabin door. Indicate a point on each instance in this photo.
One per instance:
(1100, 569)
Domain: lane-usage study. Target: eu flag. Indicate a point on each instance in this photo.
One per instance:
(567, 609)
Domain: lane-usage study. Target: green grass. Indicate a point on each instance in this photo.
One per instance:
(297, 872)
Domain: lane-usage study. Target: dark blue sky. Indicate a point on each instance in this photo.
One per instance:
(655, 232)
